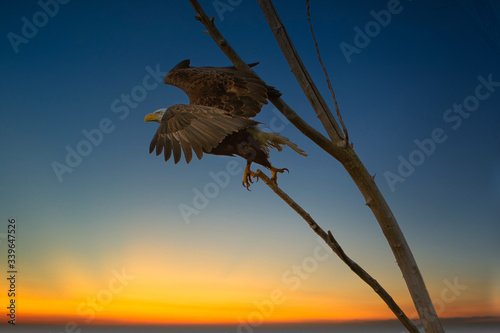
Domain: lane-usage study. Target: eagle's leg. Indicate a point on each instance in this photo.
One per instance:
(247, 176)
(274, 172)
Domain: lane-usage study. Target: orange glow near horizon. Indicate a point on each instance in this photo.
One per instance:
(133, 312)
(135, 288)
(184, 300)
(214, 307)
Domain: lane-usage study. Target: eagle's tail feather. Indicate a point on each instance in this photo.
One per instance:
(274, 140)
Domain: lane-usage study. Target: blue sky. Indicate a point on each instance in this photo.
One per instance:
(121, 202)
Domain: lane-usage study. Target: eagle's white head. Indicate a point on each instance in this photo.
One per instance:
(155, 116)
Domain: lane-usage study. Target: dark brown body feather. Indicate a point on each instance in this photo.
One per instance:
(239, 93)
(243, 144)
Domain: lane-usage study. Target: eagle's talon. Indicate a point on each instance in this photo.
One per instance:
(247, 177)
(246, 185)
(274, 172)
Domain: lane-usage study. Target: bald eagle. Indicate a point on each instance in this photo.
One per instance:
(218, 119)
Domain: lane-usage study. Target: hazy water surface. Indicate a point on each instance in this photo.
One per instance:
(383, 327)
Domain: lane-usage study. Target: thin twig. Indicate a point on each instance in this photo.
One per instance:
(301, 74)
(337, 249)
(344, 128)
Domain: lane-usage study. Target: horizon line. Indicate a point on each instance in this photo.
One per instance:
(114, 322)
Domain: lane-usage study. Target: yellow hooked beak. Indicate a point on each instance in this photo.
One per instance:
(153, 117)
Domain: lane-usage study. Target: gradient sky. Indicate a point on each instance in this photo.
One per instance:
(117, 212)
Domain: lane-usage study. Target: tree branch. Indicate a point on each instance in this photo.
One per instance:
(327, 77)
(298, 69)
(337, 249)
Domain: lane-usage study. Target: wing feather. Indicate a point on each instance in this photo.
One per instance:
(153, 143)
(176, 148)
(159, 147)
(196, 142)
(186, 148)
(167, 151)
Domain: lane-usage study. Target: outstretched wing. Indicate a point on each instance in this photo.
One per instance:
(239, 93)
(194, 127)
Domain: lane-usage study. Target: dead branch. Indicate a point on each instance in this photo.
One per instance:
(298, 69)
(337, 249)
(327, 77)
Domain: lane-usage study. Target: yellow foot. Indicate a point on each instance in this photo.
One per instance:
(275, 171)
(247, 177)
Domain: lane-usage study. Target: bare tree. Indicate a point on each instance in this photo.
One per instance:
(338, 147)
